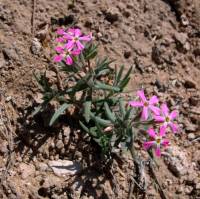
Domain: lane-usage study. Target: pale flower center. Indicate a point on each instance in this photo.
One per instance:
(158, 140)
(76, 38)
(167, 119)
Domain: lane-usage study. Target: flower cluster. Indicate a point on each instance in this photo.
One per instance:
(70, 44)
(161, 115)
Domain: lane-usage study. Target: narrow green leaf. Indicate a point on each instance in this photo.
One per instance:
(122, 107)
(124, 83)
(119, 75)
(100, 121)
(84, 127)
(126, 78)
(58, 112)
(109, 114)
(37, 110)
(87, 110)
(103, 86)
(128, 112)
(103, 72)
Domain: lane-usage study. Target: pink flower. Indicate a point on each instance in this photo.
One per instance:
(157, 142)
(74, 38)
(167, 118)
(66, 54)
(146, 104)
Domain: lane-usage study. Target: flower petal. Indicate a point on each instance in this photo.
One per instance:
(162, 131)
(159, 118)
(85, 38)
(68, 36)
(151, 133)
(76, 52)
(60, 39)
(58, 58)
(60, 31)
(149, 144)
(79, 45)
(136, 104)
(165, 143)
(174, 127)
(153, 100)
(141, 95)
(165, 109)
(145, 113)
(59, 49)
(155, 109)
(173, 114)
(70, 44)
(77, 32)
(158, 152)
(69, 60)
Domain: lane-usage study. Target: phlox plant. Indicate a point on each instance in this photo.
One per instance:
(95, 91)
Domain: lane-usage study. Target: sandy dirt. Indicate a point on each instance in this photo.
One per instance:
(159, 38)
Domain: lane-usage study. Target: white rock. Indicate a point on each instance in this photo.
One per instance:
(36, 46)
(177, 161)
(64, 167)
(191, 136)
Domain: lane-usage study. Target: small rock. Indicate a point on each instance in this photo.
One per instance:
(65, 167)
(4, 147)
(181, 37)
(112, 15)
(191, 127)
(66, 131)
(191, 136)
(59, 144)
(180, 189)
(10, 53)
(184, 20)
(197, 187)
(177, 161)
(36, 46)
(26, 170)
(38, 98)
(188, 189)
(189, 84)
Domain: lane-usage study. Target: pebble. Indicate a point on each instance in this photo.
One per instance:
(36, 46)
(64, 167)
(197, 186)
(66, 131)
(59, 144)
(181, 37)
(4, 147)
(179, 189)
(188, 189)
(191, 136)
(177, 161)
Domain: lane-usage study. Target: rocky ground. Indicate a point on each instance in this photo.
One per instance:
(160, 38)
